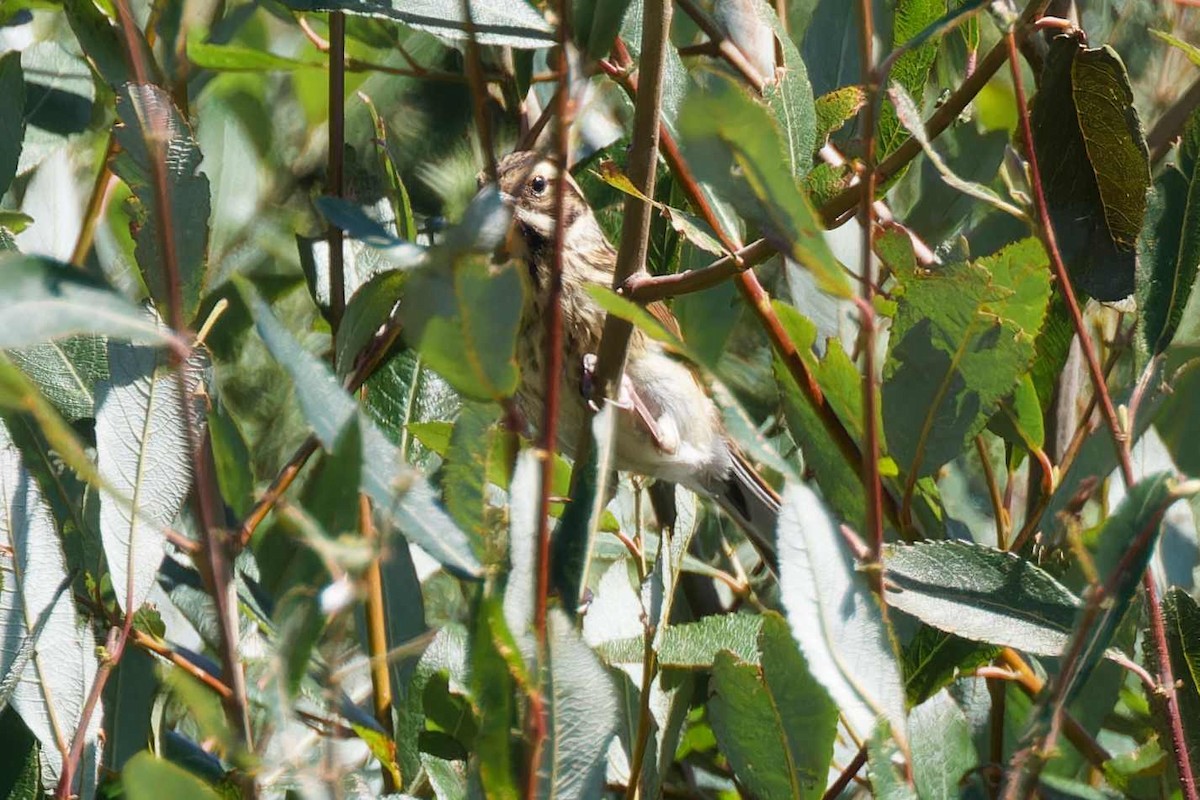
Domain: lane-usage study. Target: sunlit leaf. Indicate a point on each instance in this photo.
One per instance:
(464, 318)
(942, 751)
(775, 723)
(981, 594)
(962, 337)
(400, 494)
(42, 299)
(151, 132)
(835, 617)
(36, 597)
(502, 22)
(142, 454)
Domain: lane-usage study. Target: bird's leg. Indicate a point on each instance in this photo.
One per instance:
(665, 438)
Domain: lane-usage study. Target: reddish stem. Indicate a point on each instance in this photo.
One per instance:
(1119, 435)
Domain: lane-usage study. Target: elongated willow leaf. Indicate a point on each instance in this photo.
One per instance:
(142, 455)
(153, 131)
(836, 618)
(502, 22)
(1094, 162)
(981, 594)
(1170, 246)
(42, 299)
(775, 723)
(44, 644)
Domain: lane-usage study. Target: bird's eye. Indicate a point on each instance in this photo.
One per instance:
(538, 184)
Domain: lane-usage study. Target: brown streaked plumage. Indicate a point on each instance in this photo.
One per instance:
(669, 427)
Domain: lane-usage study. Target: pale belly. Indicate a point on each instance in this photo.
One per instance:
(687, 445)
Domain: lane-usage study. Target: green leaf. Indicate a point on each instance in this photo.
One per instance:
(42, 299)
(400, 493)
(402, 210)
(142, 455)
(836, 108)
(1019, 418)
(693, 645)
(1190, 50)
(1127, 540)
(152, 130)
(840, 381)
(49, 655)
(20, 776)
(911, 69)
(501, 22)
(934, 659)
(405, 395)
(1094, 163)
(231, 460)
(1183, 636)
(961, 340)
(904, 110)
(733, 143)
(493, 692)
(596, 23)
(571, 548)
(1177, 421)
(775, 725)
(12, 126)
(102, 45)
(789, 94)
(981, 594)
(464, 316)
(466, 470)
(237, 58)
(66, 372)
(1169, 247)
(129, 700)
(581, 708)
(835, 617)
(146, 777)
(19, 395)
(942, 751)
(885, 766)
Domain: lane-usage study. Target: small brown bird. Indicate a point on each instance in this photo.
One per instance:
(669, 428)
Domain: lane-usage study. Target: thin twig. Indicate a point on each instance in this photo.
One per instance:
(847, 775)
(336, 177)
(869, 464)
(548, 442)
(476, 82)
(726, 48)
(97, 200)
(989, 476)
(942, 118)
(377, 644)
(1032, 685)
(1121, 443)
(170, 654)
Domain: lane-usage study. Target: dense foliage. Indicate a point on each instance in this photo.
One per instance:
(271, 523)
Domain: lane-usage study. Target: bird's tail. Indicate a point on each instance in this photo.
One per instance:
(752, 504)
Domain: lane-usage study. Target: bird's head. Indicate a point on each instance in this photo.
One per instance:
(527, 180)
